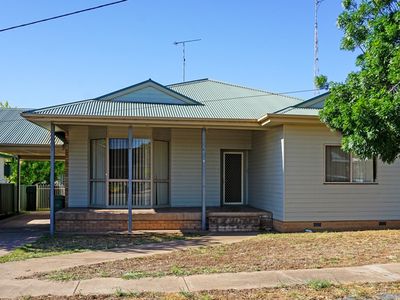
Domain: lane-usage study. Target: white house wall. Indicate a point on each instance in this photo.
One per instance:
(307, 198)
(186, 163)
(266, 180)
(78, 169)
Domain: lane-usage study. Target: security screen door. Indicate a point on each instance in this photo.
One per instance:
(232, 177)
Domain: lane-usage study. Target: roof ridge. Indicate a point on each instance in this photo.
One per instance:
(256, 89)
(239, 86)
(187, 82)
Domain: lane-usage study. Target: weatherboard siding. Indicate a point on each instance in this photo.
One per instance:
(307, 198)
(78, 194)
(186, 163)
(266, 173)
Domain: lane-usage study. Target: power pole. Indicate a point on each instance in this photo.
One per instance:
(316, 59)
(183, 43)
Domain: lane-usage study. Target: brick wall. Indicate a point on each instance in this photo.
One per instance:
(334, 225)
(97, 221)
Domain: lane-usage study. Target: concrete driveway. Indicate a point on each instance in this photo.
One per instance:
(19, 230)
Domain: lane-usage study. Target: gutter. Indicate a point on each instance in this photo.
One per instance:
(85, 119)
(278, 119)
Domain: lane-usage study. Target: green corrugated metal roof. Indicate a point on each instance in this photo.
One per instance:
(217, 100)
(16, 130)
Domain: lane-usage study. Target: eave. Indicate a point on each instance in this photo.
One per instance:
(45, 120)
(279, 119)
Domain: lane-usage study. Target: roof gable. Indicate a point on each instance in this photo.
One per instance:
(148, 92)
(315, 102)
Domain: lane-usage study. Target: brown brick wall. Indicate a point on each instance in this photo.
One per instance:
(103, 222)
(119, 225)
(334, 225)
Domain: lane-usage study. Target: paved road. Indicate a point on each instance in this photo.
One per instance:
(18, 230)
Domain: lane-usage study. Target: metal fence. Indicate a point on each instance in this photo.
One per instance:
(7, 199)
(39, 195)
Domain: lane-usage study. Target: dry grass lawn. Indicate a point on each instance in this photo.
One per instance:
(72, 243)
(264, 252)
(354, 291)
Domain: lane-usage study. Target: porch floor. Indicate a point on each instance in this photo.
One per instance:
(227, 210)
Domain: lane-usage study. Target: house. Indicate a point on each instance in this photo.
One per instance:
(207, 151)
(24, 140)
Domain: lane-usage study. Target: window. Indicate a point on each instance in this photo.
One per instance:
(141, 172)
(344, 167)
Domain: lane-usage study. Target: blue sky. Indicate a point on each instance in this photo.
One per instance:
(264, 44)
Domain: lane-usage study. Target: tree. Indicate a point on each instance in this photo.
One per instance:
(33, 172)
(365, 108)
(4, 104)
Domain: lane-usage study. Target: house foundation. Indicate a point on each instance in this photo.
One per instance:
(186, 219)
(335, 225)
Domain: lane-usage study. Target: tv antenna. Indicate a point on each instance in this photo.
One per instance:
(183, 43)
(316, 59)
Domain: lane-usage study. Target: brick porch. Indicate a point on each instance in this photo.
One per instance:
(238, 218)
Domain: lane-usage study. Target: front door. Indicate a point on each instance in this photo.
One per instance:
(232, 177)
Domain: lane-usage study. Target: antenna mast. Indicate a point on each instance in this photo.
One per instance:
(316, 59)
(184, 53)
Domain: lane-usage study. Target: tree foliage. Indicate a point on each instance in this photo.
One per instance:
(365, 108)
(33, 172)
(4, 104)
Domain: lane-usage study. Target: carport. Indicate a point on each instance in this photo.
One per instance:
(27, 141)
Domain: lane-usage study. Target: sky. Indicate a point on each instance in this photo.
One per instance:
(263, 44)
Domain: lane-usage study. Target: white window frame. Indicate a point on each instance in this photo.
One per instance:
(223, 177)
(351, 169)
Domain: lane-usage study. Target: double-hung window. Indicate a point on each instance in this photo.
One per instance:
(341, 166)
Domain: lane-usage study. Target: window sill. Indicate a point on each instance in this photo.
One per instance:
(351, 183)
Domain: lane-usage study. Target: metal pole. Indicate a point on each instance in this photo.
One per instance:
(184, 54)
(130, 140)
(52, 169)
(203, 179)
(184, 60)
(18, 206)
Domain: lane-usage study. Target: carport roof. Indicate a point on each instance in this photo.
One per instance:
(19, 136)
